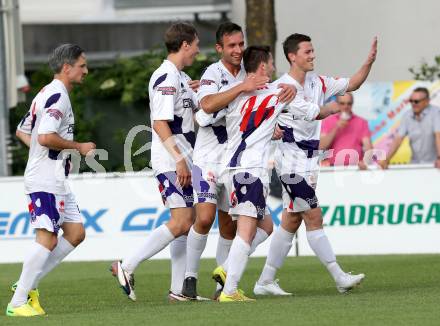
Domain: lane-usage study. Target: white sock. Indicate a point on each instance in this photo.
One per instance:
(223, 247)
(320, 245)
(32, 267)
(156, 241)
(62, 249)
(260, 236)
(178, 263)
(194, 249)
(279, 248)
(238, 258)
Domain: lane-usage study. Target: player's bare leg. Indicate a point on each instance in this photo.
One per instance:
(178, 225)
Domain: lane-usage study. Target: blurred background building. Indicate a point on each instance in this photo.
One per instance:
(108, 29)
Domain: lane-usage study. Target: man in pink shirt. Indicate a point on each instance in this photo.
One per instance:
(346, 134)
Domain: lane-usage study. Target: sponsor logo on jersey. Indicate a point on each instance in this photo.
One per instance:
(167, 90)
(55, 113)
(206, 82)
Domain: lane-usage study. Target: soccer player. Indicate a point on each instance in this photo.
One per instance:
(48, 130)
(250, 123)
(297, 165)
(171, 103)
(210, 149)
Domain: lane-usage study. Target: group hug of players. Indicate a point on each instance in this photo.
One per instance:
(222, 171)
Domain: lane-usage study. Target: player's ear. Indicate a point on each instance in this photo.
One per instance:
(66, 68)
(185, 45)
(291, 56)
(219, 48)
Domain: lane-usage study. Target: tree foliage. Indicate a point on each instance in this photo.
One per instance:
(426, 71)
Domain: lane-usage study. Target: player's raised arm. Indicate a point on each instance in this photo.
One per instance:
(215, 102)
(361, 75)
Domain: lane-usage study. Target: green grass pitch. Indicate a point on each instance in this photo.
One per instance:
(398, 290)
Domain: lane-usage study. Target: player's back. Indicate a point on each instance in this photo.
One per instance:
(250, 122)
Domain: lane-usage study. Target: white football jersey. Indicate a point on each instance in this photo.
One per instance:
(212, 137)
(172, 100)
(301, 138)
(250, 122)
(50, 112)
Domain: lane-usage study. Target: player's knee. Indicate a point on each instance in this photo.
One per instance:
(291, 224)
(181, 228)
(204, 223)
(81, 236)
(50, 243)
(228, 229)
(76, 238)
(269, 229)
(313, 218)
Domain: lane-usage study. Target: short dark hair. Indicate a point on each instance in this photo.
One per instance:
(226, 28)
(64, 53)
(291, 43)
(254, 55)
(178, 33)
(422, 90)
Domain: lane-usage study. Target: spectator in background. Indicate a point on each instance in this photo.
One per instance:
(347, 134)
(422, 126)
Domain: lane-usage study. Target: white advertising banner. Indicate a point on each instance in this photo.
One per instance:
(368, 212)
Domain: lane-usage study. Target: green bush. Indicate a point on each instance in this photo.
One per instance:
(112, 100)
(426, 71)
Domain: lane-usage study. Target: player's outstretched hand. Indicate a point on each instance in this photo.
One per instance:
(87, 149)
(183, 174)
(194, 84)
(252, 83)
(287, 93)
(373, 52)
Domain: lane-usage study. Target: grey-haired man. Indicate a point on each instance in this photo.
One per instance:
(47, 129)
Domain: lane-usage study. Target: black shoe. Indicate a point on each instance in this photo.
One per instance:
(189, 289)
(217, 294)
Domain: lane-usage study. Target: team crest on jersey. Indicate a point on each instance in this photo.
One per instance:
(32, 211)
(55, 113)
(61, 206)
(167, 90)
